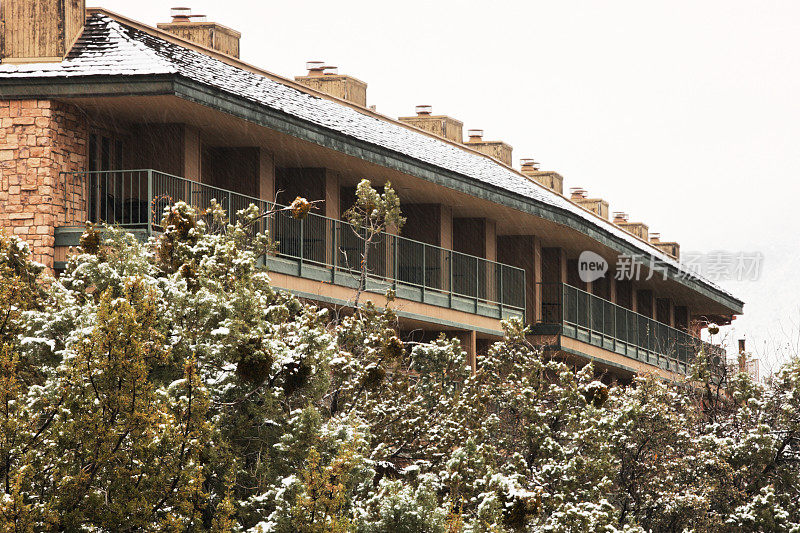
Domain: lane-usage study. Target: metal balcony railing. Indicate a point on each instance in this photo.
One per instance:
(316, 247)
(586, 317)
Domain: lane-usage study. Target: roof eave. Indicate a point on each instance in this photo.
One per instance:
(192, 90)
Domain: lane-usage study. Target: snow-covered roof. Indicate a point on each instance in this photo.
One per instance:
(109, 47)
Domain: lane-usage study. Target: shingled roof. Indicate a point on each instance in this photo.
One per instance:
(110, 47)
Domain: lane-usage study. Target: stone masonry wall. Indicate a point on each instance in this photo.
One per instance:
(38, 140)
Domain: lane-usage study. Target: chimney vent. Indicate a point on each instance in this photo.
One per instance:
(672, 249)
(199, 30)
(639, 229)
(315, 68)
(441, 125)
(577, 193)
(496, 149)
(180, 14)
(598, 206)
(552, 180)
(326, 79)
(529, 164)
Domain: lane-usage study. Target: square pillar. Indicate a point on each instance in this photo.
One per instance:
(664, 311)
(525, 252)
(645, 303)
(331, 194)
(469, 341)
(192, 167)
(430, 224)
(266, 175)
(39, 139)
(446, 227)
(490, 237)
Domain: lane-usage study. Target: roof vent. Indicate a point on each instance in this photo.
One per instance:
(672, 249)
(577, 193)
(199, 30)
(529, 164)
(180, 14)
(552, 180)
(496, 149)
(598, 206)
(639, 229)
(440, 125)
(326, 79)
(315, 68)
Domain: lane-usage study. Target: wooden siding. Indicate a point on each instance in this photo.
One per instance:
(440, 125)
(345, 87)
(497, 149)
(39, 29)
(635, 228)
(595, 205)
(207, 34)
(552, 180)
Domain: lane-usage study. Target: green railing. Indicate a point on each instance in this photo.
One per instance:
(588, 318)
(315, 247)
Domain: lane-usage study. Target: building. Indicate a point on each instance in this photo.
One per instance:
(107, 119)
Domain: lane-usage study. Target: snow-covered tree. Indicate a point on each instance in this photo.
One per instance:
(166, 385)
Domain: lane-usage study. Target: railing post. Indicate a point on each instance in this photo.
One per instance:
(450, 275)
(588, 314)
(302, 246)
(500, 296)
(614, 327)
(477, 282)
(396, 260)
(150, 206)
(335, 251)
(424, 273)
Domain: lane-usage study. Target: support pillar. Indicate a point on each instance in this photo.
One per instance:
(470, 343)
(331, 194)
(192, 167)
(525, 252)
(332, 210)
(645, 303)
(534, 305)
(266, 175)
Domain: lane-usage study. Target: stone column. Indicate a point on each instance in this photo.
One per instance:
(38, 140)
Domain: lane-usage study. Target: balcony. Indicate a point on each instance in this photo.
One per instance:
(316, 247)
(574, 313)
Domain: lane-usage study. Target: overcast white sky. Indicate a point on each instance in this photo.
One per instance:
(685, 114)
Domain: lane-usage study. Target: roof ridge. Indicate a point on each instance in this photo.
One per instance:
(125, 31)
